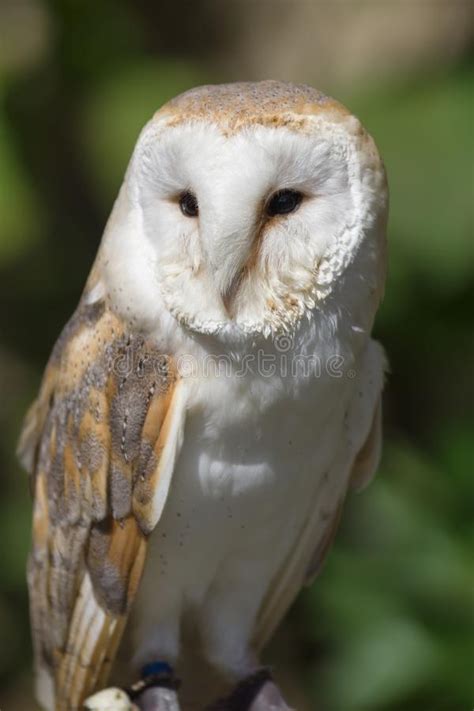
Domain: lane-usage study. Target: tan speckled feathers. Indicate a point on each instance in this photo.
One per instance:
(92, 444)
(239, 104)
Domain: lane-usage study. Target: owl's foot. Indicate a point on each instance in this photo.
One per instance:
(257, 692)
(151, 699)
(111, 699)
(157, 690)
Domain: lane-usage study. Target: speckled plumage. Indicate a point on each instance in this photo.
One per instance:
(241, 104)
(92, 444)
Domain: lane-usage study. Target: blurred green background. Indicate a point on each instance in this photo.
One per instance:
(388, 626)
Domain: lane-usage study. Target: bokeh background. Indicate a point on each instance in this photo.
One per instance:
(388, 626)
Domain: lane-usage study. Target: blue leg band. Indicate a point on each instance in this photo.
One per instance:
(156, 668)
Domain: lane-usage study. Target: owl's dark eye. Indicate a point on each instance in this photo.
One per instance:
(283, 202)
(188, 204)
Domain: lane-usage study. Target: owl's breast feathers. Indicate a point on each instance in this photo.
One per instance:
(96, 442)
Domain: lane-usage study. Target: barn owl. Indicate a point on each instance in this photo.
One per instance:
(211, 401)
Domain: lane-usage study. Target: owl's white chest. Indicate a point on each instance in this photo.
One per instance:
(256, 459)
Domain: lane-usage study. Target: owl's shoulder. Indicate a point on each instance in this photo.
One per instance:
(101, 372)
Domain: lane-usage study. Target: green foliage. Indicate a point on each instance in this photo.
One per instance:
(20, 211)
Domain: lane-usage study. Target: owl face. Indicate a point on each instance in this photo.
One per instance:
(246, 219)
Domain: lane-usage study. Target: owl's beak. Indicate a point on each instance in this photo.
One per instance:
(229, 294)
(228, 284)
(229, 275)
(228, 266)
(246, 257)
(229, 242)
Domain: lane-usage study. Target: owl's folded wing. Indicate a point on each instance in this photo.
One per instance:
(353, 467)
(100, 444)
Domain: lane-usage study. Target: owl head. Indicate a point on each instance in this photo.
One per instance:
(247, 207)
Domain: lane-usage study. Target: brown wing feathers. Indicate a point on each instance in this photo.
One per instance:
(93, 444)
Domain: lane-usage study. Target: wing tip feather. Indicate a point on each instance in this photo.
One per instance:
(44, 688)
